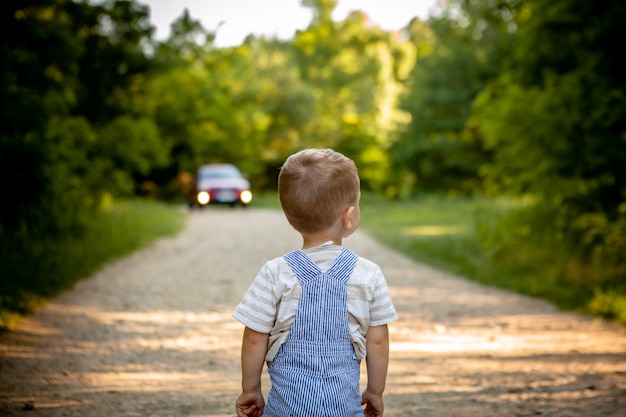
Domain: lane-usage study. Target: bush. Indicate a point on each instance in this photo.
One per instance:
(577, 264)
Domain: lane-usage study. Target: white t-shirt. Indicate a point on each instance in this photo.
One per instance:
(271, 302)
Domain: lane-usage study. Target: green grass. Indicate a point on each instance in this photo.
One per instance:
(439, 231)
(465, 236)
(265, 200)
(33, 271)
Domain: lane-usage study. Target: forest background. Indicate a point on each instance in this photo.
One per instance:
(516, 100)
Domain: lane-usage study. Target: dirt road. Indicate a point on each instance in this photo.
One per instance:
(151, 336)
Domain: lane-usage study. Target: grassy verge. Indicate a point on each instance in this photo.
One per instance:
(32, 271)
(266, 200)
(437, 231)
(461, 235)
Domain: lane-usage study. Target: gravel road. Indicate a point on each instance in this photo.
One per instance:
(151, 335)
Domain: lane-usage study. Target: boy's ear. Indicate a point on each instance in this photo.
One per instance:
(346, 217)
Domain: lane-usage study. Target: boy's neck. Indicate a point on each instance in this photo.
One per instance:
(313, 241)
(335, 233)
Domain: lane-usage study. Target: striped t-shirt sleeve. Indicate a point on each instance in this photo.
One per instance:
(257, 309)
(382, 310)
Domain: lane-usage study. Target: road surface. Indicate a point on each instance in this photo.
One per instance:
(151, 335)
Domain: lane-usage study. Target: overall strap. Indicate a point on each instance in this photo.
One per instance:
(344, 265)
(302, 266)
(305, 269)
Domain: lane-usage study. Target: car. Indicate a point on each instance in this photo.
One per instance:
(221, 184)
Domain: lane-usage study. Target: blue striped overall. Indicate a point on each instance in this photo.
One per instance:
(316, 373)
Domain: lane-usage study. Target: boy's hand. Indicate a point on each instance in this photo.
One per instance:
(253, 350)
(373, 404)
(250, 404)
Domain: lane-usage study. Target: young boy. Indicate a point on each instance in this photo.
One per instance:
(314, 313)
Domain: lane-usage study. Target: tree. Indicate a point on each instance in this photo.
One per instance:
(188, 41)
(461, 51)
(556, 122)
(354, 71)
(67, 70)
(114, 38)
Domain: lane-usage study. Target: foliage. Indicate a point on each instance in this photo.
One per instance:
(336, 85)
(188, 42)
(468, 44)
(134, 148)
(34, 270)
(66, 70)
(120, 114)
(556, 124)
(354, 72)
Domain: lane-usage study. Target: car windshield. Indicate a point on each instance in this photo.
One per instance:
(218, 174)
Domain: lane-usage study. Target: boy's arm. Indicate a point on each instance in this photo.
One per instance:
(253, 350)
(377, 342)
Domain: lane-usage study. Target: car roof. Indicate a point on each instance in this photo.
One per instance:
(218, 167)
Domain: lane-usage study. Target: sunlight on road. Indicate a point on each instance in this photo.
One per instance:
(170, 354)
(490, 338)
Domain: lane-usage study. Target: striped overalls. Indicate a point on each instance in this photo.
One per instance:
(316, 373)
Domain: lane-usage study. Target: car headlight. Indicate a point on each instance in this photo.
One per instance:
(245, 196)
(203, 197)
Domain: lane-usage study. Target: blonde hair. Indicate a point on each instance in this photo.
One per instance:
(315, 186)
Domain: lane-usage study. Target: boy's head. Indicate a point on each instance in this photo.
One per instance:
(315, 186)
